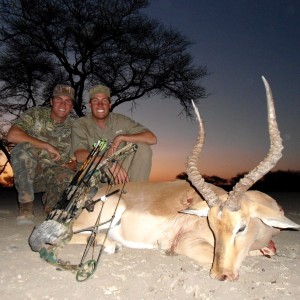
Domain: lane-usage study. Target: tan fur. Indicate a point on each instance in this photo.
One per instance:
(150, 218)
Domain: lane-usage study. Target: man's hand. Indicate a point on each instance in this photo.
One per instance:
(119, 174)
(53, 152)
(72, 165)
(112, 149)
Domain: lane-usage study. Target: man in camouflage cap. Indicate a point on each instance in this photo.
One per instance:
(41, 159)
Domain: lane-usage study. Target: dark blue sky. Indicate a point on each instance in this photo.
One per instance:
(238, 41)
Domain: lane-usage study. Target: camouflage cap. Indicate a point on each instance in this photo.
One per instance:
(99, 89)
(63, 90)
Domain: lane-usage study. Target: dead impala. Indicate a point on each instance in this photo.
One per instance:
(217, 228)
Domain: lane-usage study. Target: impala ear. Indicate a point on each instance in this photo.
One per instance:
(199, 209)
(271, 217)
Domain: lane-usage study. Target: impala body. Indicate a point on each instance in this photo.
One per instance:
(195, 218)
(171, 216)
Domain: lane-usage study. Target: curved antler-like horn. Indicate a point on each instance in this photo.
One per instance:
(192, 171)
(234, 198)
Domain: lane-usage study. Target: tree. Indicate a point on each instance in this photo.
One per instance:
(23, 70)
(89, 42)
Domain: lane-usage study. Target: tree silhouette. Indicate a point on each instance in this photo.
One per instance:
(23, 71)
(89, 42)
(279, 181)
(276, 181)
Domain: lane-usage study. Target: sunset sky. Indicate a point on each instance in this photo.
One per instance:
(238, 41)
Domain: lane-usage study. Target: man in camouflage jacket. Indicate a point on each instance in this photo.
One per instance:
(41, 159)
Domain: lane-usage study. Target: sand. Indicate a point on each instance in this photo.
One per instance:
(142, 274)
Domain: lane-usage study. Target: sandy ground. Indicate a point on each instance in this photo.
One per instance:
(142, 274)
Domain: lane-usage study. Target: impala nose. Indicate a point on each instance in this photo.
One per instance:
(224, 276)
(228, 277)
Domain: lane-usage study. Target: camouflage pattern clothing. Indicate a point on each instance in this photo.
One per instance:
(34, 170)
(86, 132)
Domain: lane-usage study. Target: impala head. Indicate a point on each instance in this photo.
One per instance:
(229, 218)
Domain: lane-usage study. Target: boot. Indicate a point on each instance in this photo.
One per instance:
(25, 215)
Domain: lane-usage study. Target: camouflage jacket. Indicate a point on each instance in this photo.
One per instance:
(37, 122)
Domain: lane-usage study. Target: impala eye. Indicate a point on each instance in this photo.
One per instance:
(241, 229)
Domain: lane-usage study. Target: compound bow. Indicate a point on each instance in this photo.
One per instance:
(56, 231)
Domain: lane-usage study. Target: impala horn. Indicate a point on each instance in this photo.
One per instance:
(192, 170)
(234, 198)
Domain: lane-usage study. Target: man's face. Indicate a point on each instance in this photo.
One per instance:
(100, 106)
(61, 107)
